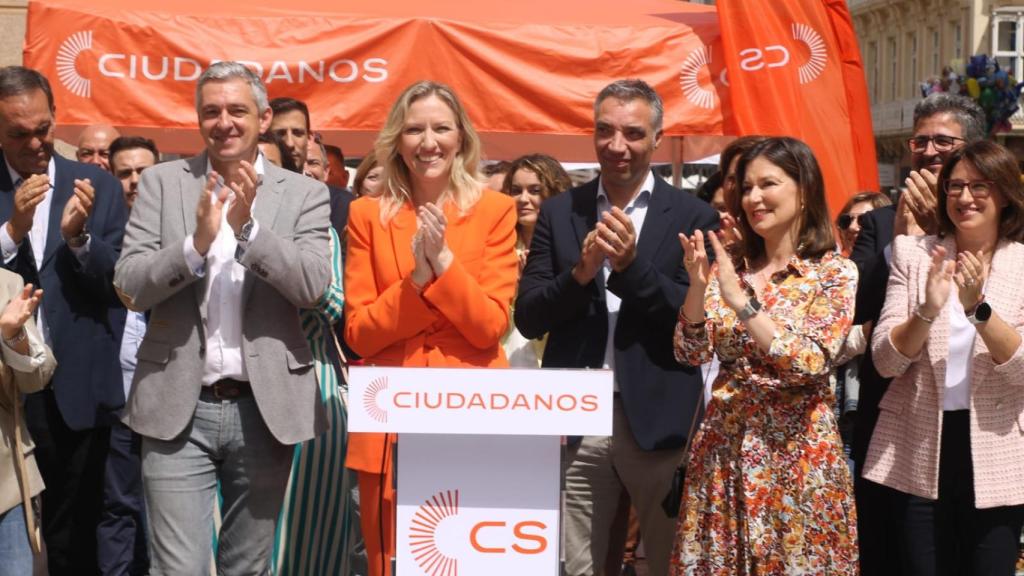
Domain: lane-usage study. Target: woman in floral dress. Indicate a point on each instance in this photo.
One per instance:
(767, 489)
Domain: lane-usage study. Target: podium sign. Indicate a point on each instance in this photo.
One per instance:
(480, 401)
(474, 505)
(478, 460)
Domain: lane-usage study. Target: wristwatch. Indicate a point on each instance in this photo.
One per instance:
(981, 313)
(79, 240)
(245, 232)
(750, 310)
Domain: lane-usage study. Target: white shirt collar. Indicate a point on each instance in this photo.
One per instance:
(647, 186)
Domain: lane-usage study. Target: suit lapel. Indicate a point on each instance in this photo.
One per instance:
(656, 221)
(6, 191)
(938, 348)
(191, 188)
(584, 219)
(63, 189)
(268, 201)
(401, 229)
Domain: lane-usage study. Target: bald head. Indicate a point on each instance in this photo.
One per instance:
(94, 145)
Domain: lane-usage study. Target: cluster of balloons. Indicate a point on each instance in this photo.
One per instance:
(994, 89)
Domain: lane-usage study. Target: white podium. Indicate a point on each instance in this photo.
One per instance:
(478, 460)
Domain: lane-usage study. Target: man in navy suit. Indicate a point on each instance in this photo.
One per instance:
(61, 230)
(605, 280)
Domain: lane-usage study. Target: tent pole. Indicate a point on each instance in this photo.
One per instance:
(676, 151)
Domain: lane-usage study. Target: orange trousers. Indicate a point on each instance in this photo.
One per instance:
(377, 517)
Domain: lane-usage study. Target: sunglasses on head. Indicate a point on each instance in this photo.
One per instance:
(845, 220)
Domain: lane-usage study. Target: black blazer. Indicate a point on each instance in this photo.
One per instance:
(869, 256)
(658, 394)
(82, 312)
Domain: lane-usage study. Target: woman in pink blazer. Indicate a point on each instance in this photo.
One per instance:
(950, 435)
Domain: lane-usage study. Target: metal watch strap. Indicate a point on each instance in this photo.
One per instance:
(751, 309)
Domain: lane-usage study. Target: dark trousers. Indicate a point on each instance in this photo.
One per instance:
(72, 465)
(879, 518)
(121, 533)
(949, 536)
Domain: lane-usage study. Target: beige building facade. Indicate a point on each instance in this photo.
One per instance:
(905, 42)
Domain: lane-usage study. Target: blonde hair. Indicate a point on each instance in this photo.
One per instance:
(464, 185)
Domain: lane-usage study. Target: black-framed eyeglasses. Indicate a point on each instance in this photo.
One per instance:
(846, 220)
(941, 142)
(979, 188)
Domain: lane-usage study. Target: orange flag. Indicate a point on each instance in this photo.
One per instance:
(794, 69)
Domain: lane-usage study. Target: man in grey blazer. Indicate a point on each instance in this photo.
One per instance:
(223, 249)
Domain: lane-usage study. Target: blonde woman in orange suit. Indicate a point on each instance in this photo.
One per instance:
(430, 273)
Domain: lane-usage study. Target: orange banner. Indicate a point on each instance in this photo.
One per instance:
(794, 69)
(529, 68)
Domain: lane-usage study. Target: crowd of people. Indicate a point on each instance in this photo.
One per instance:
(793, 394)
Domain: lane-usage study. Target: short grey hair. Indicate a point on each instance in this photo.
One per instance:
(224, 71)
(967, 113)
(17, 80)
(631, 89)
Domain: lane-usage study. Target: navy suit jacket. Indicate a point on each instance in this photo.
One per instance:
(658, 394)
(873, 269)
(82, 312)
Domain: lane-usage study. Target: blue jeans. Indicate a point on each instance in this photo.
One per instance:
(227, 441)
(15, 550)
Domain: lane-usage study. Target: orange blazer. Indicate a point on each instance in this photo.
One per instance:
(458, 319)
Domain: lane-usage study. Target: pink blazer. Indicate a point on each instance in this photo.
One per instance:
(904, 450)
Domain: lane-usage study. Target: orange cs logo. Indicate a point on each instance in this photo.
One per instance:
(496, 537)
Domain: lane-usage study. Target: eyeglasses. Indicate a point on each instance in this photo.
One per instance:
(979, 188)
(845, 220)
(941, 142)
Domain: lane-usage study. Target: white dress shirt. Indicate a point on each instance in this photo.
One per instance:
(637, 212)
(222, 296)
(37, 237)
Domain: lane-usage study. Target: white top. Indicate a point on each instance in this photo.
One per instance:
(37, 237)
(637, 212)
(222, 296)
(958, 364)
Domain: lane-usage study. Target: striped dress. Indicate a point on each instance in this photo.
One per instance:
(316, 521)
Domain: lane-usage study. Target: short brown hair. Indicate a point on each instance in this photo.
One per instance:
(995, 163)
(876, 199)
(795, 158)
(549, 171)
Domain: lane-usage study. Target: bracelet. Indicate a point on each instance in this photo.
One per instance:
(922, 317)
(18, 338)
(689, 322)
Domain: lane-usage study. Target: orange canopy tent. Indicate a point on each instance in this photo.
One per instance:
(527, 71)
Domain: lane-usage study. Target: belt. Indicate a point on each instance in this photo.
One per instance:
(228, 389)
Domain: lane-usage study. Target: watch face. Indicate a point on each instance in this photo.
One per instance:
(983, 313)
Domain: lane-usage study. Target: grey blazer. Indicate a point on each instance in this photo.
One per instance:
(287, 268)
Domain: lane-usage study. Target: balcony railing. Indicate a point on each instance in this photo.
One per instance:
(893, 117)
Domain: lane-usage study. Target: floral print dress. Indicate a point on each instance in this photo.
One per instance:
(767, 488)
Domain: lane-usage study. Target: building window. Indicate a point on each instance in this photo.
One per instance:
(893, 64)
(936, 52)
(1007, 43)
(873, 87)
(912, 68)
(958, 40)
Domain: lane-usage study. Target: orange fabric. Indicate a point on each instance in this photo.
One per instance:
(457, 321)
(377, 512)
(531, 69)
(794, 69)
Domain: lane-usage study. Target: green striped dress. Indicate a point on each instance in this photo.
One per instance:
(316, 521)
